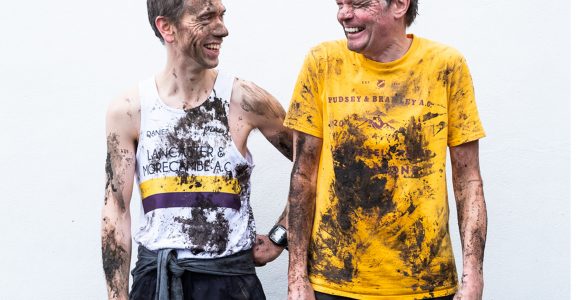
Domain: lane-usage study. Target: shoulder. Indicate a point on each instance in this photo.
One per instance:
(240, 89)
(439, 50)
(254, 101)
(124, 110)
(328, 48)
(244, 90)
(324, 55)
(125, 102)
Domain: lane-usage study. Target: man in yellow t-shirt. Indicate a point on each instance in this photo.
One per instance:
(373, 116)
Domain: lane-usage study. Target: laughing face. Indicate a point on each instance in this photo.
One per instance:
(201, 30)
(366, 24)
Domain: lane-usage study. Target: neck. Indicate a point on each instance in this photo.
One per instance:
(185, 83)
(394, 49)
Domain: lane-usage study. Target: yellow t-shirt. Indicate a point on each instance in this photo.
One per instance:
(381, 222)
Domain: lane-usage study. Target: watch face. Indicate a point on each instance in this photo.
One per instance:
(278, 235)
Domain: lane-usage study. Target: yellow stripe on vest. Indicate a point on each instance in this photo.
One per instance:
(174, 184)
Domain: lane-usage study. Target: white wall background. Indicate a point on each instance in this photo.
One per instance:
(62, 61)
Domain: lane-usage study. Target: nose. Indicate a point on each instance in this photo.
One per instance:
(344, 13)
(220, 29)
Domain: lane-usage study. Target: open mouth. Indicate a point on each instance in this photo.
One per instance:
(212, 46)
(351, 30)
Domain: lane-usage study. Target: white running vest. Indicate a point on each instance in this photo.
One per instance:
(194, 182)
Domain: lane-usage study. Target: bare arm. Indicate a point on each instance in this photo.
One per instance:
(472, 216)
(116, 218)
(264, 112)
(301, 200)
(261, 110)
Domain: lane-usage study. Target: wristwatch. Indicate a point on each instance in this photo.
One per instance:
(278, 236)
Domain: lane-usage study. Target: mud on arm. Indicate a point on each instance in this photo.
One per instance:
(301, 200)
(265, 113)
(472, 216)
(116, 218)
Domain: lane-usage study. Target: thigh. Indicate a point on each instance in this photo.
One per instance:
(144, 289)
(323, 296)
(209, 287)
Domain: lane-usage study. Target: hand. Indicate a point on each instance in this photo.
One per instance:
(265, 251)
(471, 288)
(300, 289)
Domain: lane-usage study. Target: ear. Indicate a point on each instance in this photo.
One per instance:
(399, 8)
(166, 28)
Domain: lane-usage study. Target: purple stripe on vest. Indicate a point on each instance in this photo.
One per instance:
(194, 199)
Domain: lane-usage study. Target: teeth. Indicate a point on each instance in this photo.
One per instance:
(213, 46)
(353, 29)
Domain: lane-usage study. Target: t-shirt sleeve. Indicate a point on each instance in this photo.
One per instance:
(305, 111)
(464, 123)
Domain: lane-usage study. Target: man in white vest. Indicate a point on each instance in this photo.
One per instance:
(182, 133)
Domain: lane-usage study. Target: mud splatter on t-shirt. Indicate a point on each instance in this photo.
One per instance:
(381, 216)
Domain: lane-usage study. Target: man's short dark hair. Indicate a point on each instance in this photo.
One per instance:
(171, 9)
(411, 11)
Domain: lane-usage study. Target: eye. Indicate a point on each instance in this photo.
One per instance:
(205, 17)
